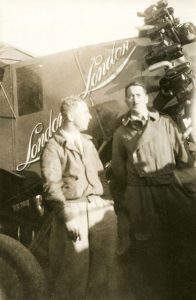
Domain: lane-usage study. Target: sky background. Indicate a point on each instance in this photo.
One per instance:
(48, 26)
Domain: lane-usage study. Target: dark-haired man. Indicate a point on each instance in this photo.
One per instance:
(150, 203)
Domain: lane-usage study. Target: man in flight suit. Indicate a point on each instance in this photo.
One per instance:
(150, 203)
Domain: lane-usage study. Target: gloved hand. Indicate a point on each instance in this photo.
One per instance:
(186, 178)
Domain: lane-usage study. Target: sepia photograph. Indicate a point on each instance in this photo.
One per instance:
(98, 150)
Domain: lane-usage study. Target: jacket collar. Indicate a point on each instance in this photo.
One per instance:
(64, 142)
(151, 130)
(153, 115)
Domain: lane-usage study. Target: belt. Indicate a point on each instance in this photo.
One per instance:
(165, 179)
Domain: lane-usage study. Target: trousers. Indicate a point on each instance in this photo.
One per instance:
(85, 269)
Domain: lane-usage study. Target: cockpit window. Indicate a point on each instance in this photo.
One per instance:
(29, 90)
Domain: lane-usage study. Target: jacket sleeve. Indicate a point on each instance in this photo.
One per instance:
(182, 155)
(101, 173)
(185, 172)
(52, 176)
(97, 159)
(118, 178)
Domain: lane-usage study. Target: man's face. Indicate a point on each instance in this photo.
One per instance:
(137, 99)
(81, 116)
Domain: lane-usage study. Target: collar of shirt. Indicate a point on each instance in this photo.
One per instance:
(153, 115)
(139, 118)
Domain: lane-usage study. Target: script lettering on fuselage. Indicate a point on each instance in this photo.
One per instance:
(38, 139)
(99, 74)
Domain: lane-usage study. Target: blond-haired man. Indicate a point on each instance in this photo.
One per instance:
(83, 234)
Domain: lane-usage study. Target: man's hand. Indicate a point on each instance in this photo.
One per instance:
(73, 230)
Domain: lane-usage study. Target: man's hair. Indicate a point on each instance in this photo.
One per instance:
(68, 103)
(134, 83)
